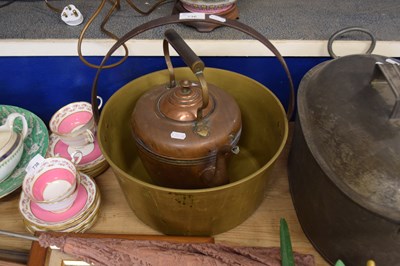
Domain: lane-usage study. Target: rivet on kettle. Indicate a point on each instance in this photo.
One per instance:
(202, 130)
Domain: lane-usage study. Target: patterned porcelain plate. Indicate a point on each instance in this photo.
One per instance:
(97, 170)
(91, 152)
(89, 225)
(25, 207)
(71, 224)
(35, 143)
(80, 226)
(72, 211)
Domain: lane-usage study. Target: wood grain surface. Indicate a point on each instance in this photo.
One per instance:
(260, 229)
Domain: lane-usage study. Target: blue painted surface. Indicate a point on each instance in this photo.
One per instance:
(44, 84)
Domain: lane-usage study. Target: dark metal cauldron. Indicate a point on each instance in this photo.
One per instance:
(344, 166)
(186, 131)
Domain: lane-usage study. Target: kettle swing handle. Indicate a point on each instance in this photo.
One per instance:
(181, 18)
(192, 61)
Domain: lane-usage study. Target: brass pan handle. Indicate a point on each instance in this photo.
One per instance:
(191, 59)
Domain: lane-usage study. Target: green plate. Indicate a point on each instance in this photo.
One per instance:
(35, 143)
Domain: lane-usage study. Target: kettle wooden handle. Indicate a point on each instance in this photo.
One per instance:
(174, 19)
(181, 47)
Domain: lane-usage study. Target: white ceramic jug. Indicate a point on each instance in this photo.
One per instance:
(11, 144)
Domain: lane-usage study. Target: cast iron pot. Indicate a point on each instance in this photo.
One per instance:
(205, 211)
(344, 167)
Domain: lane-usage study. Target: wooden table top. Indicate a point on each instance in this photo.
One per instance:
(116, 217)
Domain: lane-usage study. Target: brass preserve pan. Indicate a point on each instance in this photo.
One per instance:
(344, 165)
(200, 211)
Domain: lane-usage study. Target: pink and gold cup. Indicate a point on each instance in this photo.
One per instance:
(74, 123)
(54, 185)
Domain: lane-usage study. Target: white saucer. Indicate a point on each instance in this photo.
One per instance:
(48, 219)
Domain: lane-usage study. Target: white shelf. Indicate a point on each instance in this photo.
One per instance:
(99, 47)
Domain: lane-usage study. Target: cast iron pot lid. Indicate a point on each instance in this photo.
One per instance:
(345, 121)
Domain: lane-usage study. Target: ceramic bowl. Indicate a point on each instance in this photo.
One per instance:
(54, 185)
(74, 124)
(11, 144)
(208, 6)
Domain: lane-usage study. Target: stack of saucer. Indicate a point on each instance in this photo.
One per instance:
(92, 163)
(74, 130)
(79, 217)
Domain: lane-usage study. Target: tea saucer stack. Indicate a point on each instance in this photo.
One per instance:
(78, 218)
(92, 163)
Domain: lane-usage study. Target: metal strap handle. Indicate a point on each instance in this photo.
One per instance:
(388, 74)
(346, 30)
(174, 19)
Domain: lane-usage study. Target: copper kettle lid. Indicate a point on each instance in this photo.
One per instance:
(348, 110)
(183, 102)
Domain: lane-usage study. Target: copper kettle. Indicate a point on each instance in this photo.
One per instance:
(186, 131)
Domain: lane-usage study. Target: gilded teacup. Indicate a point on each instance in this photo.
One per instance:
(74, 124)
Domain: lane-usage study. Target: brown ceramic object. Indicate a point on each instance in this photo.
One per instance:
(231, 13)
